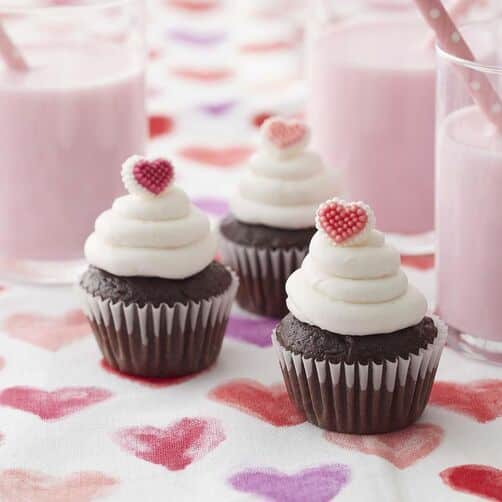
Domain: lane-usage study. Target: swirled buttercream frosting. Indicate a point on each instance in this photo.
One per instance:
(154, 231)
(351, 282)
(283, 183)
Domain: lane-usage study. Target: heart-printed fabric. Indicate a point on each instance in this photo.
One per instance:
(19, 485)
(401, 448)
(480, 400)
(176, 446)
(48, 332)
(52, 405)
(319, 484)
(270, 404)
(481, 480)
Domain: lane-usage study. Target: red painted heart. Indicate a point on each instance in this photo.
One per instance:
(270, 404)
(176, 446)
(52, 405)
(344, 222)
(285, 134)
(480, 400)
(481, 480)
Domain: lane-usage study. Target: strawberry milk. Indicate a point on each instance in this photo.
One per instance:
(65, 128)
(371, 107)
(469, 184)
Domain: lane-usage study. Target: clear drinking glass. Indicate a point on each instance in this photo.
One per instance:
(66, 125)
(469, 198)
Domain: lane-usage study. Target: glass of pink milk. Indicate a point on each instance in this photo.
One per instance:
(469, 198)
(66, 125)
(371, 106)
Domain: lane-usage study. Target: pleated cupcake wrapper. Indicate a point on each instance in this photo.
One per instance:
(160, 341)
(362, 398)
(263, 274)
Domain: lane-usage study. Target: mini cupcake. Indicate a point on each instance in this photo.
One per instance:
(266, 236)
(156, 300)
(357, 351)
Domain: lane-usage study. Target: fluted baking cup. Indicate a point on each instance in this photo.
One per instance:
(362, 398)
(163, 341)
(263, 274)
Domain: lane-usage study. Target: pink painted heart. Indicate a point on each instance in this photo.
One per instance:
(481, 480)
(319, 484)
(285, 137)
(52, 405)
(19, 485)
(48, 332)
(401, 448)
(270, 404)
(174, 447)
(147, 176)
(345, 223)
(480, 400)
(216, 157)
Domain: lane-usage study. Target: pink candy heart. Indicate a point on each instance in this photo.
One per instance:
(285, 136)
(344, 222)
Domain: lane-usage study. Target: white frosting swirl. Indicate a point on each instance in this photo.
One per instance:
(282, 192)
(354, 290)
(165, 237)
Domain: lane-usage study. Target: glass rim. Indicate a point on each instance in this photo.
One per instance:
(75, 5)
(466, 63)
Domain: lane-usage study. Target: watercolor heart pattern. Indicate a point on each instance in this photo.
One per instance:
(480, 400)
(401, 448)
(148, 381)
(203, 76)
(174, 447)
(419, 262)
(18, 485)
(256, 332)
(481, 480)
(55, 404)
(345, 223)
(284, 138)
(48, 332)
(216, 157)
(270, 404)
(319, 484)
(150, 177)
(159, 125)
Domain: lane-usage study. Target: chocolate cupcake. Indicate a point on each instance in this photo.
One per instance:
(156, 300)
(357, 351)
(266, 236)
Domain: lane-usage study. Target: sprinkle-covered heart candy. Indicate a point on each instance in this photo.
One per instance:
(147, 177)
(345, 223)
(284, 138)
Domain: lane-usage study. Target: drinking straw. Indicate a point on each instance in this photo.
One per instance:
(458, 10)
(10, 53)
(452, 41)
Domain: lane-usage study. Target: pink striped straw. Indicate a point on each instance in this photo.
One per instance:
(10, 53)
(451, 41)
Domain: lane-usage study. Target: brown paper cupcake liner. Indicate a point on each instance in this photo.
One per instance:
(263, 274)
(160, 341)
(362, 398)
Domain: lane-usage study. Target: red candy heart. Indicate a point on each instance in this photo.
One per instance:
(344, 222)
(285, 135)
(154, 175)
(142, 175)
